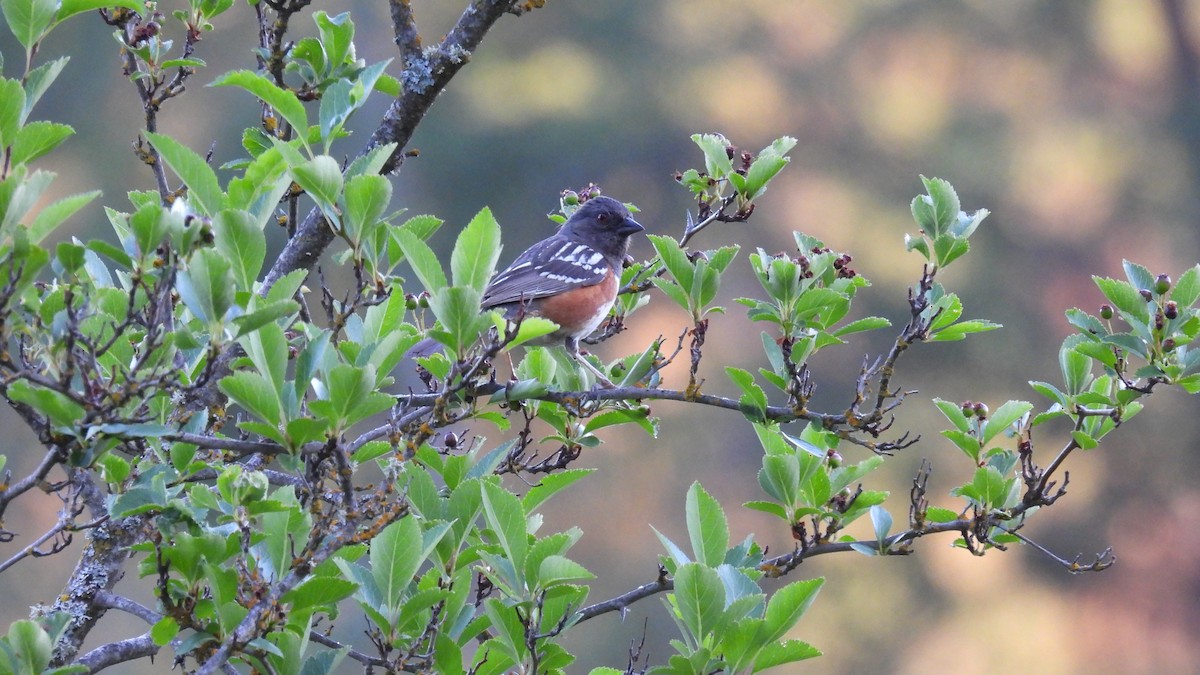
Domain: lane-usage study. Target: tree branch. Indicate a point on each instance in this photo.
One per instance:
(423, 79)
(122, 651)
(98, 569)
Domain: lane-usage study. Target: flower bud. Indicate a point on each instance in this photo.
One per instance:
(570, 198)
(1162, 284)
(1171, 311)
(1106, 312)
(1146, 294)
(981, 411)
(1169, 345)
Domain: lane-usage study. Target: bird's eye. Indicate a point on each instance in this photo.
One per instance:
(602, 217)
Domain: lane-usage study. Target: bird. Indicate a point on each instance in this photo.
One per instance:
(571, 277)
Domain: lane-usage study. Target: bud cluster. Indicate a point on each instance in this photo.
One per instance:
(974, 409)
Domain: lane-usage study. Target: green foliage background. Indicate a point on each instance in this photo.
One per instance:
(1074, 123)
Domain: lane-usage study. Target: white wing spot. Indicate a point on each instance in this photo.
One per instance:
(563, 277)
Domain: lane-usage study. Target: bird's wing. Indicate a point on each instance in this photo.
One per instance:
(549, 267)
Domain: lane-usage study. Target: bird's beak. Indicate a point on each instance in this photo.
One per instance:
(629, 227)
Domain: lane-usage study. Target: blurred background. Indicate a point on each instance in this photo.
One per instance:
(1077, 124)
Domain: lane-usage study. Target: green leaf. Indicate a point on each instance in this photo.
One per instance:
(786, 607)
(335, 109)
(1003, 418)
(372, 163)
(944, 202)
(673, 291)
(699, 598)
(268, 350)
(707, 526)
(753, 401)
(12, 101)
(422, 258)
(282, 100)
(242, 243)
(29, 21)
(789, 651)
(164, 631)
(111, 252)
(287, 286)
(557, 569)
(1127, 341)
(948, 248)
(937, 514)
(780, 478)
(716, 159)
(1076, 369)
(1124, 297)
(1084, 440)
(770, 161)
(677, 554)
(31, 644)
(962, 329)
(254, 393)
(1049, 391)
(769, 507)
(318, 592)
(321, 178)
(675, 260)
(352, 396)
(965, 442)
(265, 314)
(549, 485)
(49, 218)
(988, 488)
(863, 324)
(531, 328)
(70, 256)
(36, 139)
(366, 198)
(1139, 277)
(881, 522)
(39, 80)
(395, 558)
(476, 252)
(1187, 287)
(506, 518)
(70, 8)
(918, 243)
(457, 308)
(147, 496)
(336, 34)
(616, 416)
(183, 63)
(203, 189)
(57, 407)
(509, 635)
(206, 286)
(149, 227)
(953, 412)
(1086, 323)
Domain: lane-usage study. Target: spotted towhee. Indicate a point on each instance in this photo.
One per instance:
(571, 277)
